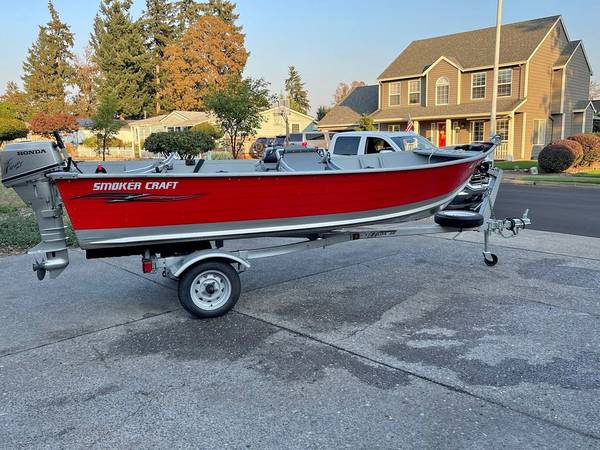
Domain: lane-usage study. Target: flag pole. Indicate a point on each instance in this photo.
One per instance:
(496, 62)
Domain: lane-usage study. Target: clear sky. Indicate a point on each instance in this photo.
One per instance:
(328, 40)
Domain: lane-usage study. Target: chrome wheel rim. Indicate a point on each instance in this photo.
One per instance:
(210, 290)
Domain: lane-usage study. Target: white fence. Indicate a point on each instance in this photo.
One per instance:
(503, 152)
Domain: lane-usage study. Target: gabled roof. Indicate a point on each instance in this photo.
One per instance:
(566, 54)
(596, 105)
(177, 117)
(472, 49)
(361, 100)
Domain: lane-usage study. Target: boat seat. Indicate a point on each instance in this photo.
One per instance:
(270, 160)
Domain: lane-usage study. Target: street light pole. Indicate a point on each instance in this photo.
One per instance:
(496, 62)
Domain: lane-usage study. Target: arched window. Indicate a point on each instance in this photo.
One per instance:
(442, 86)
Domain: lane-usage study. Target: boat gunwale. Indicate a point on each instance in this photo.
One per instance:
(60, 175)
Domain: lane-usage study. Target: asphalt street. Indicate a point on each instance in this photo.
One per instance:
(561, 209)
(387, 343)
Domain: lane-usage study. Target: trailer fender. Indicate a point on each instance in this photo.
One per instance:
(177, 265)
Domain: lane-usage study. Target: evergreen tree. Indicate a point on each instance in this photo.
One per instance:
(186, 13)
(296, 92)
(125, 66)
(205, 57)
(222, 9)
(48, 69)
(322, 112)
(17, 99)
(159, 28)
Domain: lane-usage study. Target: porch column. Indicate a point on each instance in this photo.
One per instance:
(449, 132)
(416, 126)
(511, 136)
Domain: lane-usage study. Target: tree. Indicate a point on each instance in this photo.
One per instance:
(159, 27)
(10, 127)
(365, 123)
(187, 144)
(222, 9)
(44, 123)
(17, 100)
(187, 12)
(344, 89)
(238, 109)
(296, 92)
(209, 52)
(104, 125)
(594, 90)
(125, 67)
(208, 128)
(48, 68)
(322, 112)
(86, 72)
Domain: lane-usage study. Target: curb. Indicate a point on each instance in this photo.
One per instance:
(548, 183)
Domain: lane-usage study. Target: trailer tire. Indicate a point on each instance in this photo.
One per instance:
(458, 219)
(209, 289)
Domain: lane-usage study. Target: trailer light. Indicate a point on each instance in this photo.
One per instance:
(147, 266)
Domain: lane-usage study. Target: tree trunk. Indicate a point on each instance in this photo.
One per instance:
(104, 148)
(157, 96)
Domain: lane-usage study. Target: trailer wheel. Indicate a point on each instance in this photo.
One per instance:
(209, 289)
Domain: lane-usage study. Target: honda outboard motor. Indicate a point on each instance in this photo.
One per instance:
(24, 167)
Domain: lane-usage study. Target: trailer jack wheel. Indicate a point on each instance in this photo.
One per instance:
(490, 259)
(209, 289)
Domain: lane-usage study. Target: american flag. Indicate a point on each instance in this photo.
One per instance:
(409, 124)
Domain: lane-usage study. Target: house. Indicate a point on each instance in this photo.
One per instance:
(362, 100)
(173, 121)
(444, 84)
(273, 124)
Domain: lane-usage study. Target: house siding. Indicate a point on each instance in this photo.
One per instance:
(556, 127)
(465, 90)
(589, 119)
(556, 96)
(577, 88)
(442, 69)
(539, 89)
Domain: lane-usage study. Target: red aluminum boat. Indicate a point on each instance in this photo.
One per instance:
(235, 199)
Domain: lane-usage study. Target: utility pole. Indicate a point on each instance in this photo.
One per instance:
(496, 62)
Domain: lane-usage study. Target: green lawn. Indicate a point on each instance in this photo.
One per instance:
(511, 165)
(589, 173)
(561, 179)
(18, 228)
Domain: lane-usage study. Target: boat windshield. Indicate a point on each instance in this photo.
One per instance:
(412, 142)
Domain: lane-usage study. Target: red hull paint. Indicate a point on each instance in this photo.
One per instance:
(201, 200)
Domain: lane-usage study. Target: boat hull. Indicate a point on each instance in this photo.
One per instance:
(119, 211)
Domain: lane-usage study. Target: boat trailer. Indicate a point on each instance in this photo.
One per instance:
(209, 282)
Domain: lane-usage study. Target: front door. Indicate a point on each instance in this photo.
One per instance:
(441, 126)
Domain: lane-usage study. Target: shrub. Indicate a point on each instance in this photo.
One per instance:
(221, 155)
(575, 148)
(92, 142)
(11, 128)
(591, 147)
(186, 143)
(208, 128)
(557, 157)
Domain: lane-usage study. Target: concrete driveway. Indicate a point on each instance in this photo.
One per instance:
(391, 343)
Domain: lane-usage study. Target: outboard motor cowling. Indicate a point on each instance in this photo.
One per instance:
(24, 167)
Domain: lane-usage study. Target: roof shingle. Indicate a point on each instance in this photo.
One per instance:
(362, 100)
(472, 48)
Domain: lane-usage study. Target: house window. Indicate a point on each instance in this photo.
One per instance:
(478, 81)
(394, 128)
(394, 94)
(441, 91)
(295, 127)
(477, 131)
(505, 83)
(414, 92)
(539, 132)
(502, 129)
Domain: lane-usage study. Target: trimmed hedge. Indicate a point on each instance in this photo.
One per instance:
(590, 144)
(558, 157)
(574, 146)
(187, 144)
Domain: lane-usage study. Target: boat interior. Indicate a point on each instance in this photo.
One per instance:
(293, 160)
